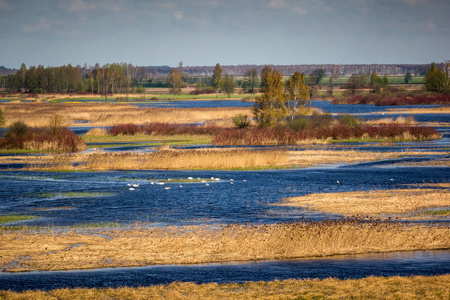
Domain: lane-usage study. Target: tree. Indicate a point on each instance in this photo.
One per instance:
(297, 92)
(216, 79)
(375, 82)
(250, 80)
(355, 82)
(174, 82)
(436, 80)
(229, 85)
(318, 74)
(408, 77)
(270, 107)
(267, 69)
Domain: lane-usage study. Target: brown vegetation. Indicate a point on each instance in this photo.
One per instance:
(373, 203)
(416, 287)
(90, 248)
(39, 114)
(399, 98)
(172, 159)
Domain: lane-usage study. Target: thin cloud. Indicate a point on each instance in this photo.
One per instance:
(43, 25)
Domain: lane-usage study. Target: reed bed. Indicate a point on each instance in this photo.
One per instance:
(309, 158)
(396, 287)
(400, 120)
(387, 99)
(100, 114)
(285, 136)
(373, 203)
(53, 249)
(167, 159)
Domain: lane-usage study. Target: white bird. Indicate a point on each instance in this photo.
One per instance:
(181, 185)
(216, 179)
(129, 184)
(167, 188)
(231, 182)
(160, 183)
(135, 185)
(231, 179)
(190, 178)
(337, 181)
(244, 180)
(391, 179)
(152, 183)
(131, 189)
(207, 184)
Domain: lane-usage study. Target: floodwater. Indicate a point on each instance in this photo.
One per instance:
(342, 267)
(163, 198)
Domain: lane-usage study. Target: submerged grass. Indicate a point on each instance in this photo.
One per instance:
(15, 218)
(139, 246)
(396, 287)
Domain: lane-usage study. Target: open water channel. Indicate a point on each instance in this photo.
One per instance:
(164, 198)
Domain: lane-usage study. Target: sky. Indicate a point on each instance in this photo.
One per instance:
(229, 32)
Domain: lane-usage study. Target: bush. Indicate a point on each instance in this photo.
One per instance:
(124, 129)
(350, 121)
(20, 136)
(321, 121)
(241, 121)
(18, 129)
(39, 91)
(208, 90)
(298, 124)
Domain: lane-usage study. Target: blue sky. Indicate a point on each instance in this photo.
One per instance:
(229, 32)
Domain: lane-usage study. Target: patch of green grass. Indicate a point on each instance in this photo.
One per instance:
(75, 195)
(153, 140)
(15, 218)
(98, 225)
(442, 212)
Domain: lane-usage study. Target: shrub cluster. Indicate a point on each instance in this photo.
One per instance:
(20, 136)
(395, 99)
(288, 136)
(208, 90)
(160, 128)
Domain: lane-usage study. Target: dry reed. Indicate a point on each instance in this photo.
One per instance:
(53, 249)
(396, 287)
(173, 159)
(96, 114)
(373, 203)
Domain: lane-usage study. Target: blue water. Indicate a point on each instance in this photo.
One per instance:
(342, 267)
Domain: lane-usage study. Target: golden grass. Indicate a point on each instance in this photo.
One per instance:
(100, 248)
(310, 158)
(173, 159)
(100, 114)
(373, 203)
(442, 162)
(396, 287)
(434, 110)
(400, 120)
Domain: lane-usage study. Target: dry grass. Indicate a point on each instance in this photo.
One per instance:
(201, 159)
(173, 159)
(442, 162)
(400, 120)
(310, 158)
(417, 287)
(373, 203)
(90, 248)
(97, 131)
(435, 110)
(39, 114)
